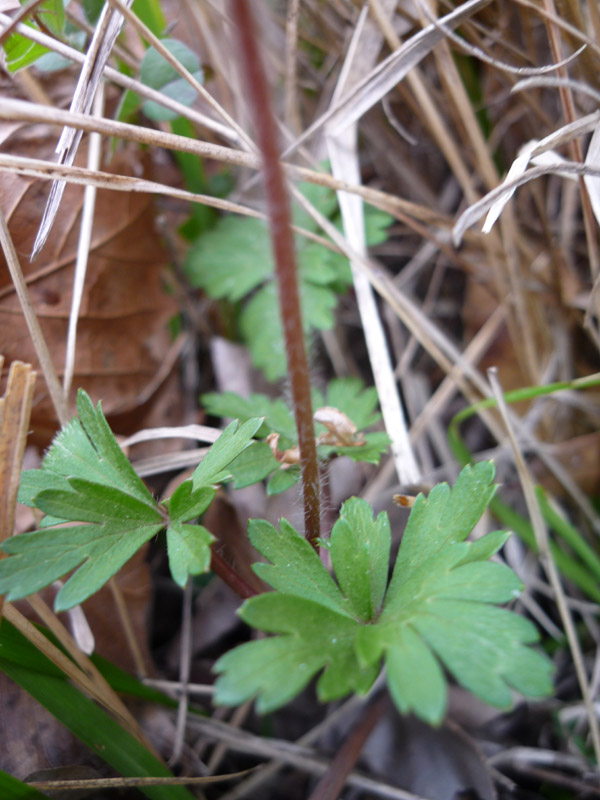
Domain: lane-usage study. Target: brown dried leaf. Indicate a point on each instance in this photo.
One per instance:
(122, 337)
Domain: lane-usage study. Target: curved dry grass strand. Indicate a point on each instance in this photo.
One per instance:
(105, 34)
(477, 210)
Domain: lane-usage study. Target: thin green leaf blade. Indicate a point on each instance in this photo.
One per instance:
(93, 726)
(13, 789)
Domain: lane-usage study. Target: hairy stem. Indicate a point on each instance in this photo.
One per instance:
(282, 241)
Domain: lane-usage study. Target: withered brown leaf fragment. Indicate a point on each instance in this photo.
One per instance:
(122, 337)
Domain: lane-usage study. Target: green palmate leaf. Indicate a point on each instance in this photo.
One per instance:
(295, 567)
(346, 394)
(157, 73)
(369, 452)
(214, 467)
(317, 623)
(85, 448)
(350, 396)
(282, 480)
(437, 610)
(86, 478)
(234, 259)
(261, 328)
(189, 550)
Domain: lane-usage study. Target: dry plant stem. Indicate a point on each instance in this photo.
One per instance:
(285, 259)
(332, 783)
(120, 783)
(267, 771)
(184, 673)
(128, 629)
(15, 408)
(22, 14)
(301, 758)
(33, 325)
(20, 110)
(541, 536)
(238, 718)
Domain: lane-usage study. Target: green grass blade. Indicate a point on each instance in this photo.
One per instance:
(81, 716)
(12, 789)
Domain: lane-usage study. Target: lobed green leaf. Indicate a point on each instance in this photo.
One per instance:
(437, 611)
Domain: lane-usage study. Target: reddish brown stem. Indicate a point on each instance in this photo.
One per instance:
(332, 783)
(227, 574)
(282, 241)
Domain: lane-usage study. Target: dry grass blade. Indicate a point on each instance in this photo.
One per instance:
(41, 348)
(12, 110)
(386, 75)
(105, 34)
(83, 247)
(481, 55)
(342, 145)
(122, 783)
(477, 210)
(541, 535)
(86, 683)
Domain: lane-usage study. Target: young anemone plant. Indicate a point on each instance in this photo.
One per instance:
(439, 610)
